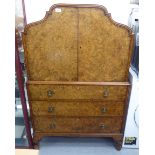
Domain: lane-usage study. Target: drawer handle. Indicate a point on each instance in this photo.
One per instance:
(102, 126)
(51, 109)
(50, 93)
(104, 110)
(106, 92)
(52, 126)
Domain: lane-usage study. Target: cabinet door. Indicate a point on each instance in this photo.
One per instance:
(51, 46)
(104, 47)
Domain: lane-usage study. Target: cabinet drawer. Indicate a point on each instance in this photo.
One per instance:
(108, 108)
(50, 92)
(75, 124)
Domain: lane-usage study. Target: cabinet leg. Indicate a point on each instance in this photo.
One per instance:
(36, 139)
(36, 146)
(118, 140)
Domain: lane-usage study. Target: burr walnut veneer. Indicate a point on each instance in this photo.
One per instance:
(77, 60)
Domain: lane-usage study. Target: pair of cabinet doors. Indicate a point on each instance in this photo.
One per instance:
(77, 44)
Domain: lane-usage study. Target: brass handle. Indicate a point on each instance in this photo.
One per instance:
(52, 126)
(50, 93)
(102, 126)
(51, 109)
(106, 92)
(104, 110)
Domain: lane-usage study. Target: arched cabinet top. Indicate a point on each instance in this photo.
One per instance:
(104, 9)
(77, 42)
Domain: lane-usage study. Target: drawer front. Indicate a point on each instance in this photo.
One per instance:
(108, 108)
(75, 124)
(49, 92)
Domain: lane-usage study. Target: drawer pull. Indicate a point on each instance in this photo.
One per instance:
(51, 109)
(102, 126)
(52, 126)
(50, 93)
(106, 92)
(103, 110)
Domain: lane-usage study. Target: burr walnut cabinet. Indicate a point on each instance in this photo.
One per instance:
(77, 60)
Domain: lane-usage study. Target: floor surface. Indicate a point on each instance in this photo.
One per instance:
(81, 146)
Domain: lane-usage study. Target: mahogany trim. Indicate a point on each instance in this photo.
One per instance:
(79, 83)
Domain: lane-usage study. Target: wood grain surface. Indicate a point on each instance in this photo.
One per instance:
(80, 83)
(77, 44)
(103, 54)
(40, 92)
(77, 60)
(75, 124)
(51, 47)
(45, 108)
